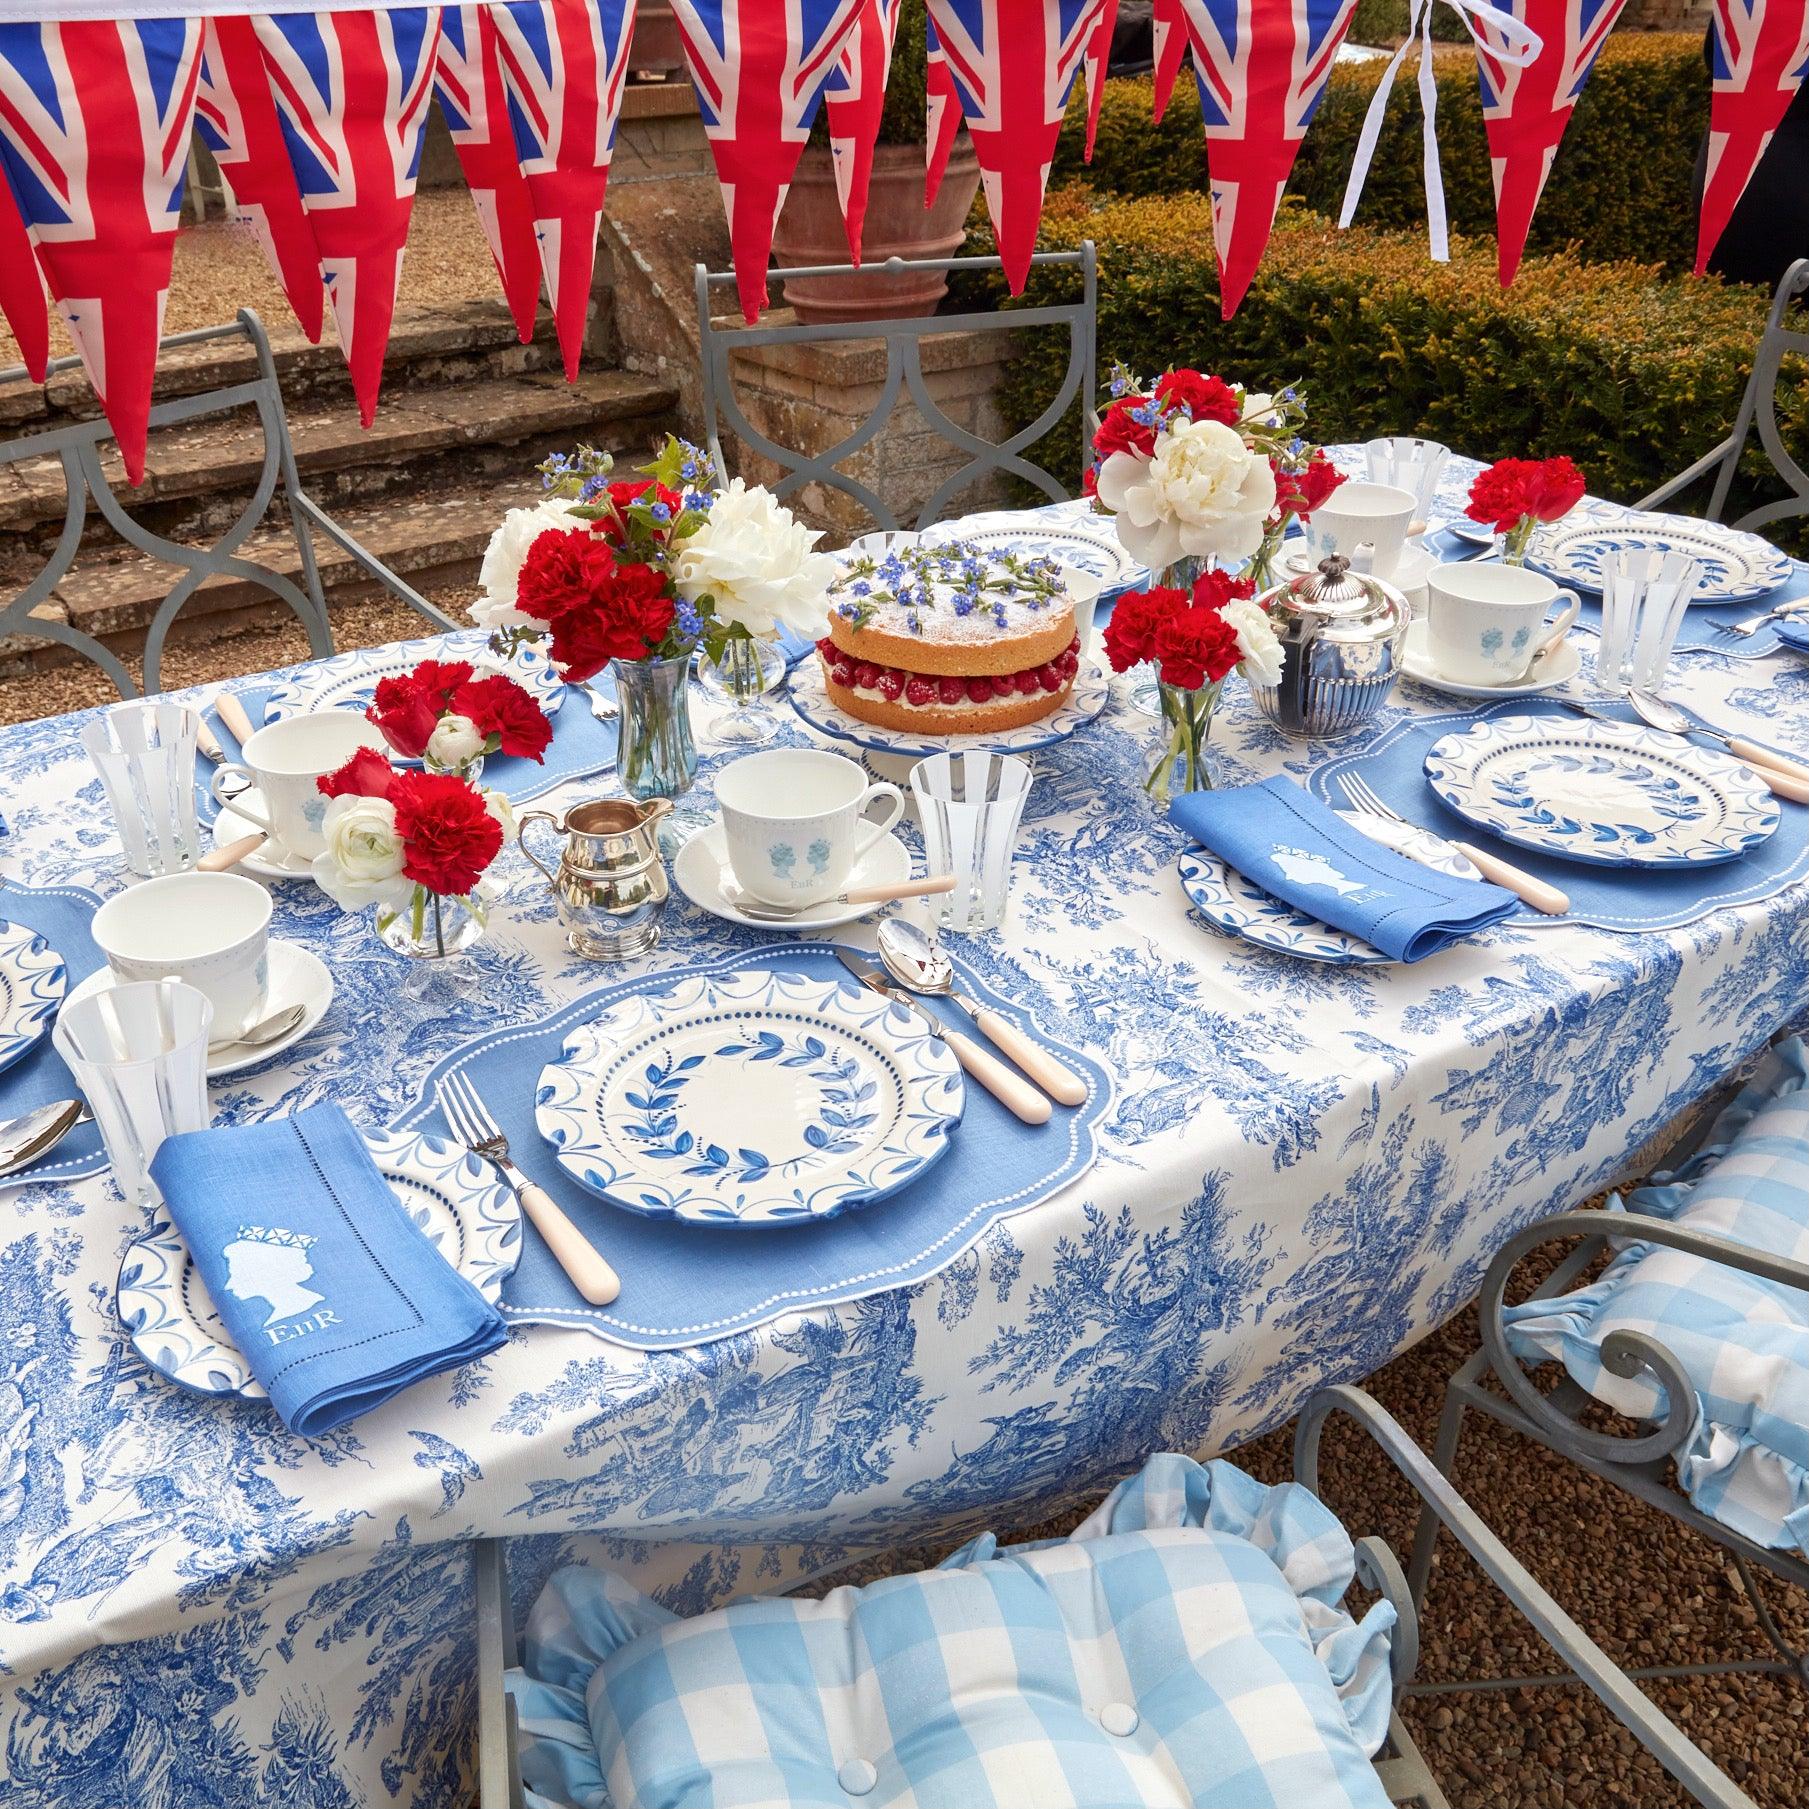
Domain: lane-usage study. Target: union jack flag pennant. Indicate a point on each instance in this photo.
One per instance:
(1099, 60)
(1759, 57)
(468, 83)
(564, 62)
(94, 127)
(1261, 66)
(1526, 106)
(941, 115)
(352, 90)
(21, 288)
(1014, 63)
(1168, 32)
(853, 100)
(759, 68)
(238, 122)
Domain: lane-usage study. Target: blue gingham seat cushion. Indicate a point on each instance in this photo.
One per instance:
(1186, 1645)
(1743, 1342)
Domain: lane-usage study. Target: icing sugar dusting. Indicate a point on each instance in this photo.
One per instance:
(948, 594)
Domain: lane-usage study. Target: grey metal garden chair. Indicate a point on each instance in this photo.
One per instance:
(1758, 407)
(78, 445)
(1399, 1767)
(903, 339)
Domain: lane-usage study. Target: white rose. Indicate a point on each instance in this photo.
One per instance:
(503, 559)
(754, 559)
(1204, 493)
(1256, 640)
(362, 864)
(454, 741)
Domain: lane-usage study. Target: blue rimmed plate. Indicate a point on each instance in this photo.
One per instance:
(32, 982)
(461, 1204)
(347, 680)
(1610, 794)
(749, 1100)
(1088, 543)
(1737, 567)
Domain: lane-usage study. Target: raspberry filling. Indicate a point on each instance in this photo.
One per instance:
(925, 690)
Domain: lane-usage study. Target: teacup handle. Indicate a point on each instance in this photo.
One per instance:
(1559, 629)
(876, 830)
(232, 769)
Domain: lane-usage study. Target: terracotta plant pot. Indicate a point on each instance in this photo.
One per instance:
(655, 53)
(810, 231)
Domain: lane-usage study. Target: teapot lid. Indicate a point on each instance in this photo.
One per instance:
(1336, 588)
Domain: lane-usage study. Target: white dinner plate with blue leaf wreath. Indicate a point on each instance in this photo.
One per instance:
(1088, 543)
(348, 681)
(1611, 794)
(750, 1100)
(1737, 567)
(460, 1203)
(32, 982)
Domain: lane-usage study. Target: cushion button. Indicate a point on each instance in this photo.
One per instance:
(1118, 1718)
(857, 1776)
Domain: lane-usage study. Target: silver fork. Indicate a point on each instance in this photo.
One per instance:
(1523, 885)
(1752, 624)
(471, 1122)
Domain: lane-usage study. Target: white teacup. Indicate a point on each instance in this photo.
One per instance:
(1358, 511)
(795, 820)
(283, 760)
(1486, 622)
(210, 930)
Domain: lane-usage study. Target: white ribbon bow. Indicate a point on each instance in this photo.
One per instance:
(1514, 45)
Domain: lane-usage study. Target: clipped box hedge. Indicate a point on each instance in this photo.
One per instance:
(1631, 372)
(1619, 187)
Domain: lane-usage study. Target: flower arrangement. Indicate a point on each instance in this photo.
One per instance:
(406, 842)
(1514, 496)
(442, 713)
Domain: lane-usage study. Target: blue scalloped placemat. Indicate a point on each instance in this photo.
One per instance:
(686, 1284)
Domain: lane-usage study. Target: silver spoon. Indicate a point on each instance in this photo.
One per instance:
(1785, 777)
(33, 1135)
(919, 965)
(266, 1030)
(748, 905)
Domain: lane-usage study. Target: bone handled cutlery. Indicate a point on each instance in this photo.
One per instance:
(1752, 624)
(205, 738)
(750, 906)
(1788, 778)
(232, 713)
(229, 854)
(471, 1122)
(1016, 1095)
(1525, 886)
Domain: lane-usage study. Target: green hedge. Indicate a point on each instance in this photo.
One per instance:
(1632, 373)
(1619, 187)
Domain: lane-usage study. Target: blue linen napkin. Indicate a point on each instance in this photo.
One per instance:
(330, 1290)
(1793, 632)
(794, 645)
(1300, 851)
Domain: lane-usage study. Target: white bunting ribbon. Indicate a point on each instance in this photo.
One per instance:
(1513, 44)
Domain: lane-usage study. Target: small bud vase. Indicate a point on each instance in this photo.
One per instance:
(1183, 764)
(655, 754)
(471, 770)
(429, 927)
(740, 681)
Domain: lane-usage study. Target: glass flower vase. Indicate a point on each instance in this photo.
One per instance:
(655, 754)
(739, 683)
(428, 927)
(471, 770)
(1183, 763)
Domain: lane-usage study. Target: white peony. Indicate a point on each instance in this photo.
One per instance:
(1256, 640)
(362, 864)
(503, 559)
(454, 741)
(1204, 493)
(754, 559)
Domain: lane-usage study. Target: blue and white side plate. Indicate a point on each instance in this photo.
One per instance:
(32, 982)
(750, 1100)
(810, 698)
(347, 680)
(468, 1214)
(1736, 567)
(1089, 543)
(1611, 794)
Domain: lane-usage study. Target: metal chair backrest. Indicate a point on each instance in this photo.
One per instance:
(1758, 407)
(903, 338)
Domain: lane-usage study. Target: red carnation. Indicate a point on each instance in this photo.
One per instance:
(626, 618)
(1301, 492)
(448, 835)
(441, 677)
(1213, 590)
(1130, 636)
(1195, 647)
(1205, 398)
(1511, 490)
(406, 713)
(1120, 432)
(368, 774)
(562, 571)
(499, 706)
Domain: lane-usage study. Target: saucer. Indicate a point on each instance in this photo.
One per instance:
(1411, 570)
(229, 826)
(296, 976)
(1558, 667)
(704, 861)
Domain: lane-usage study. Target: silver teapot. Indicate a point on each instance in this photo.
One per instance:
(611, 885)
(1341, 632)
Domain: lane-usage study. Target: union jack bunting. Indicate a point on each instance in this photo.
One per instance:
(21, 288)
(237, 121)
(759, 68)
(1526, 106)
(468, 83)
(941, 116)
(1014, 63)
(853, 101)
(1261, 66)
(352, 89)
(1099, 60)
(564, 62)
(1759, 55)
(1168, 31)
(94, 127)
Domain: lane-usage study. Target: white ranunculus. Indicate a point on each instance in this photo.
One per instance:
(497, 803)
(754, 559)
(1256, 640)
(362, 864)
(454, 741)
(503, 560)
(1258, 404)
(1204, 493)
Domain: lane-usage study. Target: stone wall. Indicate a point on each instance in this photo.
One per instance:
(1666, 15)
